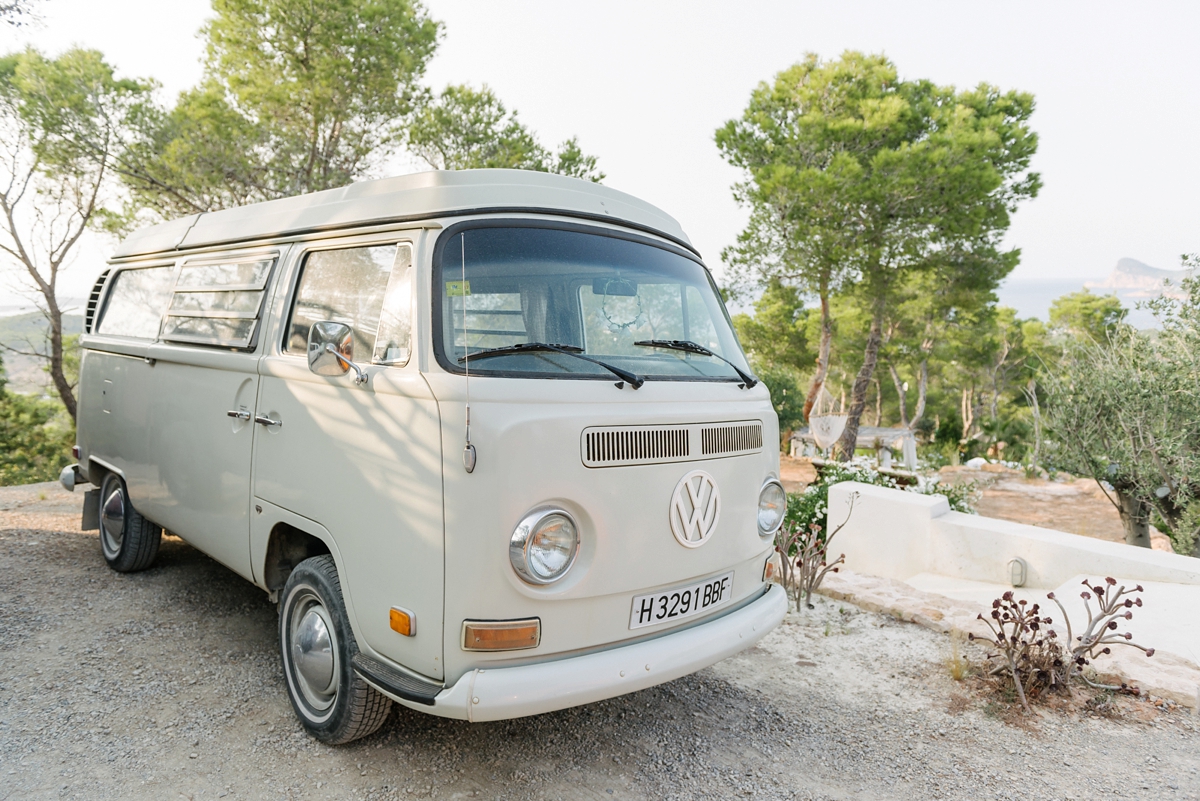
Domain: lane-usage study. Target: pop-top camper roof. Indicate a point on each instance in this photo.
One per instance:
(418, 196)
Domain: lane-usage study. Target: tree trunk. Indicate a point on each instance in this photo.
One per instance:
(901, 392)
(1031, 395)
(858, 394)
(1135, 515)
(61, 385)
(822, 355)
(878, 403)
(922, 391)
(967, 410)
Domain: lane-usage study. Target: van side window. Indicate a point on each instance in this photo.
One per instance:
(350, 286)
(136, 302)
(218, 303)
(393, 343)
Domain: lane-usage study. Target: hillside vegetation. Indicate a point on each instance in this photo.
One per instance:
(27, 332)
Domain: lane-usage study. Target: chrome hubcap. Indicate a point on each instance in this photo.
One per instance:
(314, 652)
(112, 520)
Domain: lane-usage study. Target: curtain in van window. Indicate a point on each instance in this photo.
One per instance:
(136, 302)
(342, 286)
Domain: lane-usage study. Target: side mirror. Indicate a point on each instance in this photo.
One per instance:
(331, 350)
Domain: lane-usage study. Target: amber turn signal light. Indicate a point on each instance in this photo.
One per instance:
(403, 621)
(501, 635)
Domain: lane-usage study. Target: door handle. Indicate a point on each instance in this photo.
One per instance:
(267, 421)
(239, 415)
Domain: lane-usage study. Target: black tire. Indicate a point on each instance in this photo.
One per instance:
(128, 541)
(317, 646)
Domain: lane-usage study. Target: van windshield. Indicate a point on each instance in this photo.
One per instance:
(589, 293)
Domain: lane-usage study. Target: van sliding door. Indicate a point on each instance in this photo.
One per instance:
(202, 406)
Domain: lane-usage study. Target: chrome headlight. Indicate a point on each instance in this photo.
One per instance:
(544, 545)
(772, 506)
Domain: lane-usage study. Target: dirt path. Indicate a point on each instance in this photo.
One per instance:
(166, 685)
(1077, 507)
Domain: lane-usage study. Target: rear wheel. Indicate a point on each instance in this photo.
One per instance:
(128, 540)
(317, 646)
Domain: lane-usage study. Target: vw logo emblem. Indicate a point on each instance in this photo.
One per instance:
(695, 508)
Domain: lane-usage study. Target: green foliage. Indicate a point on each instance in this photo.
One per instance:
(71, 112)
(36, 436)
(297, 97)
(1123, 410)
(811, 507)
(860, 182)
(852, 169)
(465, 128)
(1084, 314)
(787, 395)
(66, 123)
(776, 342)
(776, 334)
(570, 160)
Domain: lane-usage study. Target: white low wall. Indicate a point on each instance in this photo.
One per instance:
(898, 534)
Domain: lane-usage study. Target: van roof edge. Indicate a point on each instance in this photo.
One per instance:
(407, 198)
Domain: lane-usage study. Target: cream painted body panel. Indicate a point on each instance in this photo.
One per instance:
(514, 692)
(114, 403)
(365, 463)
(199, 457)
(527, 435)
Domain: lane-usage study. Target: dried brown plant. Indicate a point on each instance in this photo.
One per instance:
(803, 557)
(1027, 650)
(1113, 606)
(1036, 659)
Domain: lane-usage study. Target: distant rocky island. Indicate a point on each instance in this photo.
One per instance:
(1134, 279)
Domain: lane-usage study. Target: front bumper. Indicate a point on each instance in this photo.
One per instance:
(503, 693)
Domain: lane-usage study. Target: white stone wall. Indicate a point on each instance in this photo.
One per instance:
(897, 534)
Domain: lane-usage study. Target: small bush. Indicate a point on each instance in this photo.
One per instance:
(1027, 649)
(1033, 660)
(35, 438)
(804, 557)
(811, 507)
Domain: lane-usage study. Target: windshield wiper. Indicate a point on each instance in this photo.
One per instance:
(687, 346)
(634, 379)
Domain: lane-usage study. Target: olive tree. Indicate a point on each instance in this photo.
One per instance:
(1124, 411)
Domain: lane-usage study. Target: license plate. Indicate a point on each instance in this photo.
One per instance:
(681, 603)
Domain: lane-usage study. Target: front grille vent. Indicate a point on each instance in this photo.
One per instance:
(618, 446)
(731, 438)
(609, 447)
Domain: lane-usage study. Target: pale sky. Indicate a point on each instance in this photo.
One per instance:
(644, 85)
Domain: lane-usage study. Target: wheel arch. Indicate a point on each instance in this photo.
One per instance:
(288, 546)
(97, 469)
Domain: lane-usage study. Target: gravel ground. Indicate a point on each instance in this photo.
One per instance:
(166, 684)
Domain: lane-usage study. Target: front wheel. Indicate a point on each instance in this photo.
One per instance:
(317, 646)
(128, 541)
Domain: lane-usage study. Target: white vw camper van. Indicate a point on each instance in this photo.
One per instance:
(487, 437)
